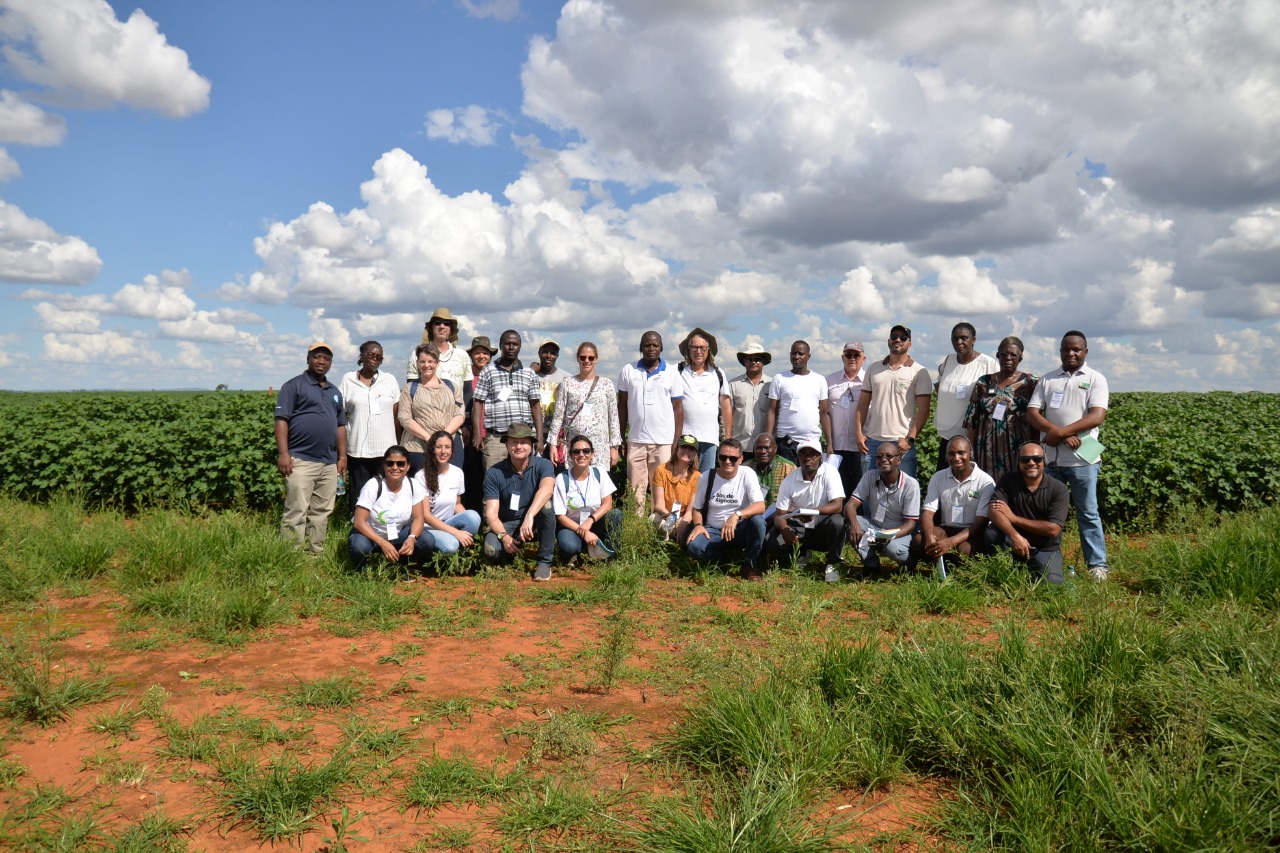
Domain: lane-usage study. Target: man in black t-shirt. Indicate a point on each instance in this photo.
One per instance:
(1027, 514)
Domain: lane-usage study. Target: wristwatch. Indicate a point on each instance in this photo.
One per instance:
(911, 440)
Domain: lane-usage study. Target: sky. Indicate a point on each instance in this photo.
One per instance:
(191, 192)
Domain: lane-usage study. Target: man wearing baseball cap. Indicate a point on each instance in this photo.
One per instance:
(896, 395)
(810, 512)
(749, 397)
(311, 445)
(844, 391)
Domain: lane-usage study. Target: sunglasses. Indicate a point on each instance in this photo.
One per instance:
(852, 354)
(729, 460)
(899, 338)
(395, 464)
(581, 451)
(586, 358)
(753, 358)
(1038, 460)
(438, 322)
(373, 356)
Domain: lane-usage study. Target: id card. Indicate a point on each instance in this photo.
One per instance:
(1055, 401)
(585, 411)
(375, 406)
(998, 413)
(957, 515)
(880, 511)
(515, 502)
(962, 392)
(793, 405)
(544, 396)
(504, 394)
(393, 530)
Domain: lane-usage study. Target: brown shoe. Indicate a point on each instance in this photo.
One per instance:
(751, 573)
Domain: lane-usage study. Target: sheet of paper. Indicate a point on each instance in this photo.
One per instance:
(1090, 449)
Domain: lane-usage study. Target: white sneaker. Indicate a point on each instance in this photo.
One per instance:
(831, 574)
(1099, 573)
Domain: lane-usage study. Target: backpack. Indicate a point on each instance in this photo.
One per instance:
(413, 387)
(379, 494)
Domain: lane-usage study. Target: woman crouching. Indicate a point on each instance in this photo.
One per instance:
(450, 525)
(390, 516)
(583, 504)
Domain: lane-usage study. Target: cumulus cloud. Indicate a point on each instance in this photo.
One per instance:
(499, 10)
(24, 123)
(31, 251)
(101, 347)
(79, 49)
(9, 168)
(473, 125)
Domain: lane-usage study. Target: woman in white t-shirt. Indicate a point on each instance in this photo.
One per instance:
(450, 526)
(389, 515)
(583, 503)
(956, 377)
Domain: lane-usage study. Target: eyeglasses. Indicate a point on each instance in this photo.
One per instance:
(372, 356)
(440, 322)
(753, 358)
(852, 354)
(729, 460)
(581, 451)
(899, 338)
(1031, 460)
(586, 358)
(392, 463)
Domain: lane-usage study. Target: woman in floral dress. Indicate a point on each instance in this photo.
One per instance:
(996, 422)
(587, 404)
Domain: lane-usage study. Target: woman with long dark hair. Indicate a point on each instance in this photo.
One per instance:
(389, 515)
(450, 525)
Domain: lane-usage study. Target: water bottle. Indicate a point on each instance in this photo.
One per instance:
(342, 485)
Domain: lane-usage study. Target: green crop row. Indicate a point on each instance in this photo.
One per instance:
(137, 449)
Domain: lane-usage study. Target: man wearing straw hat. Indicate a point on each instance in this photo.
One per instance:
(749, 397)
(442, 330)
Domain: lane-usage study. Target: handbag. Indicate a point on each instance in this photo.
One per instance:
(560, 448)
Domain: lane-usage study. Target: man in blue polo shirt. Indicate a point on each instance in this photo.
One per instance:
(517, 502)
(311, 442)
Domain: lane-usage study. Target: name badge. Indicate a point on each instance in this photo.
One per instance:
(545, 396)
(676, 507)
(999, 412)
(586, 410)
(880, 509)
(393, 530)
(794, 404)
(375, 406)
(957, 515)
(844, 401)
(504, 394)
(962, 392)
(515, 502)
(583, 515)
(1055, 401)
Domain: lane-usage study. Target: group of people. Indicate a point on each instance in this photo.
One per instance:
(747, 465)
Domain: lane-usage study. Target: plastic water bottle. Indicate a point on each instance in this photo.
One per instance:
(342, 485)
(1071, 571)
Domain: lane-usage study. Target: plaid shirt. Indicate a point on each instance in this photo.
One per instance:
(770, 482)
(500, 415)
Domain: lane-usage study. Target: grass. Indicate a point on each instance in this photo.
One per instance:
(1141, 714)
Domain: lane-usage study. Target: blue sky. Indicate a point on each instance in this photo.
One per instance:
(194, 190)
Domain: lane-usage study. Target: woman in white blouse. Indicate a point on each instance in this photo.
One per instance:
(451, 526)
(389, 516)
(582, 500)
(371, 397)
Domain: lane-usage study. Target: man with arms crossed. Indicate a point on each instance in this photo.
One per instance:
(809, 514)
(894, 407)
(798, 404)
(1028, 511)
(749, 397)
(1069, 404)
(650, 402)
(956, 507)
(311, 447)
(728, 512)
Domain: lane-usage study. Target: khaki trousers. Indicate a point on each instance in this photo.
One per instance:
(642, 464)
(308, 503)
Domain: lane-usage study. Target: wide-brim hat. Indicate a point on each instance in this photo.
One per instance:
(714, 348)
(481, 342)
(519, 431)
(753, 349)
(446, 315)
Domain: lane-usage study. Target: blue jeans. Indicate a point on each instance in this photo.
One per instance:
(1083, 482)
(607, 529)
(906, 466)
(898, 550)
(1046, 564)
(707, 456)
(447, 543)
(748, 538)
(544, 529)
(361, 547)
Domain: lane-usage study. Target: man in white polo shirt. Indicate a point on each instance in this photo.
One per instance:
(1067, 406)
(798, 405)
(954, 520)
(650, 404)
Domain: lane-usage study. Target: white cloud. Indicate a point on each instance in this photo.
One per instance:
(105, 347)
(80, 48)
(9, 168)
(473, 125)
(31, 251)
(499, 10)
(190, 356)
(23, 122)
(55, 319)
